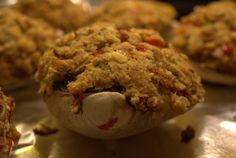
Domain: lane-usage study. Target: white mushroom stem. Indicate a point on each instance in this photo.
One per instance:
(105, 115)
(215, 77)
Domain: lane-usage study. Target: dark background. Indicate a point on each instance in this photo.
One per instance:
(186, 6)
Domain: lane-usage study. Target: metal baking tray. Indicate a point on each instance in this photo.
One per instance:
(213, 121)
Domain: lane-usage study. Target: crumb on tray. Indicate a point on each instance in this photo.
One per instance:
(44, 130)
(187, 134)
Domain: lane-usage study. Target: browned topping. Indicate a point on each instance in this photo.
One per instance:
(22, 42)
(187, 135)
(8, 133)
(44, 130)
(208, 36)
(62, 14)
(138, 14)
(152, 77)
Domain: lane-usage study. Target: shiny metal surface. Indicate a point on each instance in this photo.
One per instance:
(214, 122)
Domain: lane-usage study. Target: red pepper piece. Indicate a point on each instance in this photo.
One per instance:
(81, 95)
(124, 37)
(109, 124)
(98, 52)
(232, 28)
(193, 22)
(228, 50)
(197, 23)
(157, 42)
(10, 146)
(140, 47)
(11, 102)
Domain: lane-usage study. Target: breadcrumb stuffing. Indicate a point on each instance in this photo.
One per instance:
(22, 42)
(139, 14)
(99, 58)
(62, 14)
(208, 36)
(8, 133)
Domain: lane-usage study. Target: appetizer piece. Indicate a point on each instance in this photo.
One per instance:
(208, 37)
(159, 16)
(22, 42)
(108, 82)
(62, 14)
(8, 134)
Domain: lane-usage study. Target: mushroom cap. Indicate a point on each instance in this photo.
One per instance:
(208, 37)
(22, 43)
(8, 132)
(138, 14)
(62, 14)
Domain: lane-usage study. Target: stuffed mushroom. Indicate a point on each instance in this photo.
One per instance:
(22, 42)
(104, 81)
(62, 14)
(8, 133)
(159, 16)
(208, 37)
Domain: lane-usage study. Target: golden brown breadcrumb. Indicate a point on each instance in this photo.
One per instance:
(208, 36)
(22, 43)
(134, 62)
(8, 133)
(139, 14)
(61, 14)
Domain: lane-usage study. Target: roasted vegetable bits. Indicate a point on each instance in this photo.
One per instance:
(8, 134)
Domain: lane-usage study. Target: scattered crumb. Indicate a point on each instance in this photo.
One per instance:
(44, 130)
(188, 134)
